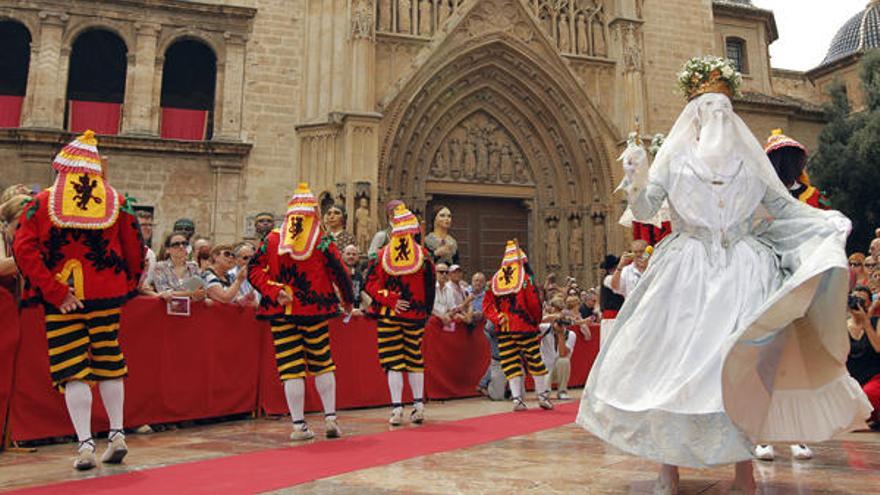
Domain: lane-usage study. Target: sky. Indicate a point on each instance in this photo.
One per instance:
(806, 28)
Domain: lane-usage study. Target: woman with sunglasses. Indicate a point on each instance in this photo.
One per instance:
(220, 286)
(174, 270)
(247, 295)
(858, 275)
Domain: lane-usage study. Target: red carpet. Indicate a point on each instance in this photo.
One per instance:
(274, 469)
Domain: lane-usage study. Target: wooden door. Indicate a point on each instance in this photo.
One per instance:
(482, 227)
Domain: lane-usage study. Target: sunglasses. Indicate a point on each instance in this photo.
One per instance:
(245, 258)
(855, 263)
(870, 265)
(442, 271)
(179, 244)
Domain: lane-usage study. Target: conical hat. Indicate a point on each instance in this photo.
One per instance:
(301, 229)
(509, 279)
(81, 198)
(778, 140)
(403, 255)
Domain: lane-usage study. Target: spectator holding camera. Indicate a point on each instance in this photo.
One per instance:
(632, 265)
(557, 342)
(863, 362)
(858, 275)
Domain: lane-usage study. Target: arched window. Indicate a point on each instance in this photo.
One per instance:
(189, 76)
(96, 82)
(736, 52)
(15, 59)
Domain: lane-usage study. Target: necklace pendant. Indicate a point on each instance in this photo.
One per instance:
(721, 203)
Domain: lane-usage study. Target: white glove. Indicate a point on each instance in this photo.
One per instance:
(633, 158)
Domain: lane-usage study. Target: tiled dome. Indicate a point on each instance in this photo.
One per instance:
(860, 33)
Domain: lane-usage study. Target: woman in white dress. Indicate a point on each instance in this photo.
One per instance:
(736, 332)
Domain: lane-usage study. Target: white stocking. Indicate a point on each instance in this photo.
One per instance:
(417, 384)
(78, 397)
(295, 392)
(113, 396)
(326, 385)
(516, 387)
(395, 386)
(541, 383)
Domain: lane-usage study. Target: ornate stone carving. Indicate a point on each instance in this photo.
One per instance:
(492, 16)
(629, 35)
(385, 22)
(362, 19)
(480, 149)
(404, 16)
(553, 243)
(575, 26)
(425, 21)
(363, 224)
(576, 242)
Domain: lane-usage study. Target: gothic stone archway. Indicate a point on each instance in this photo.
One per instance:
(500, 116)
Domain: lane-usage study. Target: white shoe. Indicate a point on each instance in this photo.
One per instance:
(519, 405)
(417, 417)
(396, 417)
(331, 428)
(116, 448)
(764, 452)
(562, 396)
(544, 401)
(801, 452)
(85, 456)
(301, 432)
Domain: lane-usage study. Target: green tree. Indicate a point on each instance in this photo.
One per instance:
(846, 165)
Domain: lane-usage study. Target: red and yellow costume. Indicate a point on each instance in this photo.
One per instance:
(304, 262)
(80, 237)
(513, 305)
(777, 147)
(402, 271)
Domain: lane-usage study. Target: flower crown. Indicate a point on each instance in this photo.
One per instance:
(709, 74)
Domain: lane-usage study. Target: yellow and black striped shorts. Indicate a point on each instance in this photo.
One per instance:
(83, 345)
(400, 345)
(302, 348)
(512, 346)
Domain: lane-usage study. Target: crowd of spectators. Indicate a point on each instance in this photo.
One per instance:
(863, 362)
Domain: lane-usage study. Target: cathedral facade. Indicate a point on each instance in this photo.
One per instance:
(511, 112)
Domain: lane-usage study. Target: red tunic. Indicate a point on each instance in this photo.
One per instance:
(416, 288)
(813, 197)
(101, 265)
(312, 282)
(523, 309)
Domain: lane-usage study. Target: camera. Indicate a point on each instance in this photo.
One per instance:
(855, 302)
(565, 322)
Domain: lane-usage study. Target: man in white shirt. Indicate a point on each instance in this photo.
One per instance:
(557, 346)
(443, 301)
(630, 270)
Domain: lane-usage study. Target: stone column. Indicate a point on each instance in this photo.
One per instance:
(44, 106)
(628, 48)
(231, 97)
(363, 54)
(140, 107)
(226, 201)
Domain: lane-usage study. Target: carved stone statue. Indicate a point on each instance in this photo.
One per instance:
(362, 19)
(583, 41)
(363, 225)
(386, 23)
(576, 243)
(404, 16)
(520, 174)
(425, 17)
(506, 167)
(444, 12)
(600, 47)
(438, 167)
(554, 240)
(470, 159)
(482, 157)
(564, 35)
(455, 158)
(494, 160)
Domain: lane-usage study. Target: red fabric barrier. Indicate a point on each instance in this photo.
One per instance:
(220, 361)
(101, 117)
(583, 357)
(179, 368)
(9, 338)
(180, 123)
(10, 110)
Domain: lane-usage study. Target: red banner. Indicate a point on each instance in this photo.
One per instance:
(101, 117)
(180, 123)
(10, 110)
